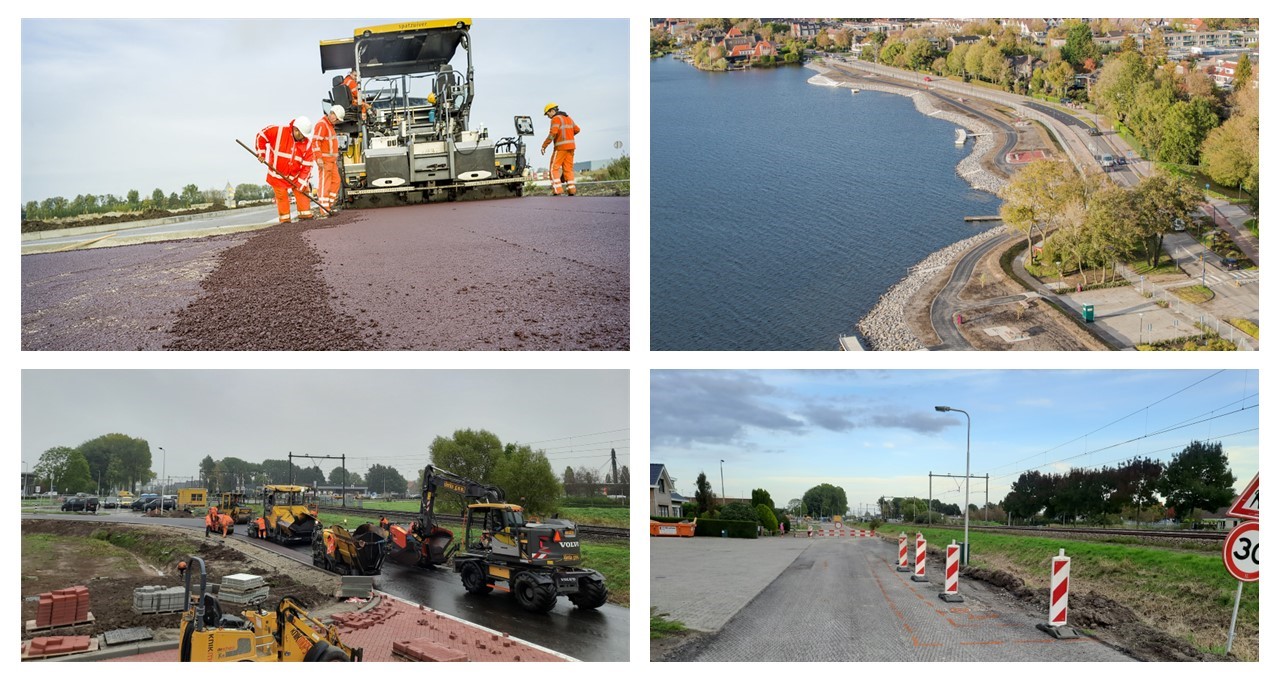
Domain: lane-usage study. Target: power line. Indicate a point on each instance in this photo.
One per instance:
(1130, 440)
(584, 435)
(1131, 414)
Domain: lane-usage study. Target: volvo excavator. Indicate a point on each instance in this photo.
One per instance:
(499, 549)
(410, 139)
(284, 634)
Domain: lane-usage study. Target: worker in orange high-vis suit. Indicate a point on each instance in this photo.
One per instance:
(563, 129)
(288, 151)
(325, 141)
(352, 82)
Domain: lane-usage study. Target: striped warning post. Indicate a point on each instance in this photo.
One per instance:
(951, 584)
(920, 550)
(903, 564)
(1059, 587)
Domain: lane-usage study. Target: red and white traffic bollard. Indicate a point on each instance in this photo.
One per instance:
(903, 565)
(951, 584)
(1059, 589)
(920, 549)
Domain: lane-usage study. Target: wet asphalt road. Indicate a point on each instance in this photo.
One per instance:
(594, 635)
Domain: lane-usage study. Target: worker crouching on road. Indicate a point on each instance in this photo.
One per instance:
(563, 129)
(325, 141)
(289, 154)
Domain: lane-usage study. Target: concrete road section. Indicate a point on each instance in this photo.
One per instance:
(703, 582)
(841, 599)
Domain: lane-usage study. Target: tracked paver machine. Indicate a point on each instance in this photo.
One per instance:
(289, 515)
(412, 140)
(358, 552)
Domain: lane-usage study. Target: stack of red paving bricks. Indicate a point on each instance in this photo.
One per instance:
(394, 630)
(63, 607)
(51, 646)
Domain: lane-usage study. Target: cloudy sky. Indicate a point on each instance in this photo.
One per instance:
(386, 417)
(876, 433)
(110, 105)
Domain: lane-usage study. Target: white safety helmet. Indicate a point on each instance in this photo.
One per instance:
(338, 112)
(304, 126)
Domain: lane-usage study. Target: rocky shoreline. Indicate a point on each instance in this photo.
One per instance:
(885, 326)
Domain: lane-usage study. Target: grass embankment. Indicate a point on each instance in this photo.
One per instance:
(1185, 593)
(1194, 294)
(1246, 326)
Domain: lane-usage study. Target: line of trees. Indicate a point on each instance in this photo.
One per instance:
(1197, 479)
(1094, 221)
(92, 204)
(587, 482)
(108, 461)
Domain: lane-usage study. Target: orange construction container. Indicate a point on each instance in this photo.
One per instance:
(683, 529)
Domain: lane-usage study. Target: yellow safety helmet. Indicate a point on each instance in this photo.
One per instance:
(431, 98)
(550, 106)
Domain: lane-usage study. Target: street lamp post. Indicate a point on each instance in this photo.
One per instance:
(721, 482)
(164, 462)
(968, 432)
(1140, 315)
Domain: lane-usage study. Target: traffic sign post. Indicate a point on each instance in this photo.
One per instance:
(919, 576)
(951, 582)
(1059, 590)
(1240, 556)
(903, 565)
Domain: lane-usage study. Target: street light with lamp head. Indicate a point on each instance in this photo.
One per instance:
(967, 433)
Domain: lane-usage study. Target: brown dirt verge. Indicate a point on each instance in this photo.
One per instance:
(111, 585)
(267, 294)
(1103, 617)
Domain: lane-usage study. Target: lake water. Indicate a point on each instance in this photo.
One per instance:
(781, 210)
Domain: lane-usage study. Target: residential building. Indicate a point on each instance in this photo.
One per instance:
(804, 30)
(661, 488)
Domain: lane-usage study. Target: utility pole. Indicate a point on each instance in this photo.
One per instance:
(613, 458)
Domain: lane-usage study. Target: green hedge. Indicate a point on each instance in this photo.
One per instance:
(736, 529)
(668, 519)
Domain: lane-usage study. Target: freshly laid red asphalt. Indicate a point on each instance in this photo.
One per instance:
(537, 273)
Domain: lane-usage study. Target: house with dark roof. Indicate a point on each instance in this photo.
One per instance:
(663, 499)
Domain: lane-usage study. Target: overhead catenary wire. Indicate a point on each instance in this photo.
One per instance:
(1112, 423)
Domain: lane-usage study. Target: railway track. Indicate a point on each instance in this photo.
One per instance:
(1121, 532)
(592, 532)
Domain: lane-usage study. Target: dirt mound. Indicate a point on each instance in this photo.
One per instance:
(267, 294)
(1001, 579)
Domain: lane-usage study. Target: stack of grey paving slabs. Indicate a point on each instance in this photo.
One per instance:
(242, 588)
(157, 599)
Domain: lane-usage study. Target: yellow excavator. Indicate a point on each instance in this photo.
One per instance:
(285, 634)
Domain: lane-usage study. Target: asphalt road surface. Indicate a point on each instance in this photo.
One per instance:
(536, 273)
(593, 635)
(842, 600)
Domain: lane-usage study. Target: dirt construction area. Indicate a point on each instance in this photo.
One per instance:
(529, 273)
(113, 560)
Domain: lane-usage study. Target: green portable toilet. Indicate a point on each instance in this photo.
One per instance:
(1087, 312)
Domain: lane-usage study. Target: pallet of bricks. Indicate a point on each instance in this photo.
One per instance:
(242, 588)
(158, 599)
(66, 607)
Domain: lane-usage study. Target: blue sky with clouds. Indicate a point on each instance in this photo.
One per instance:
(876, 433)
(110, 105)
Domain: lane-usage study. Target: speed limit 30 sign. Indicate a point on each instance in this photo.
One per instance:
(1240, 553)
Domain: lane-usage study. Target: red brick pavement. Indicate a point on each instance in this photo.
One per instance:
(399, 631)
